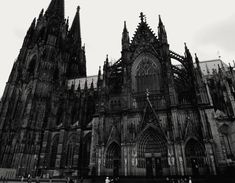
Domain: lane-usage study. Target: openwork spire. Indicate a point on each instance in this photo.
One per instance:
(125, 29)
(198, 64)
(125, 37)
(75, 28)
(197, 61)
(161, 31)
(187, 52)
(56, 8)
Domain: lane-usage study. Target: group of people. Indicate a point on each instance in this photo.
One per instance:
(114, 180)
(70, 180)
(28, 179)
(179, 180)
(107, 180)
(168, 180)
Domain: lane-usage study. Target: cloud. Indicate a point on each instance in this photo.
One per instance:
(220, 34)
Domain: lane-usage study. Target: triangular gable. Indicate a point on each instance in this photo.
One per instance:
(150, 117)
(143, 34)
(114, 136)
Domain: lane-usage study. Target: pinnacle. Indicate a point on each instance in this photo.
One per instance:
(75, 28)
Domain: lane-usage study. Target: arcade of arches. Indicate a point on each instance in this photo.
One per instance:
(150, 156)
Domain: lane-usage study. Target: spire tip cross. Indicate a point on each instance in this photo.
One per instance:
(141, 16)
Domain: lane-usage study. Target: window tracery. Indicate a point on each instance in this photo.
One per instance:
(147, 75)
(146, 67)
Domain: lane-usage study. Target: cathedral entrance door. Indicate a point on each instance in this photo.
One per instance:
(195, 154)
(158, 167)
(116, 168)
(195, 166)
(149, 167)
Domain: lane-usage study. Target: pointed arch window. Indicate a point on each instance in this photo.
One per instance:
(69, 155)
(147, 75)
(113, 152)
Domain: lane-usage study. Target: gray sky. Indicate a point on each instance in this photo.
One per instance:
(208, 27)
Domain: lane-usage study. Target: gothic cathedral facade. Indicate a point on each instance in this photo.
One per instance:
(141, 116)
(153, 118)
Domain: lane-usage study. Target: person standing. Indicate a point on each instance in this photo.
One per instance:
(107, 180)
(29, 178)
(22, 178)
(189, 180)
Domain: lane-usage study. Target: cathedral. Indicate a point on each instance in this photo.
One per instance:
(140, 116)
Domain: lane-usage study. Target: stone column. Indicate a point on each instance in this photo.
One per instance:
(94, 143)
(210, 158)
(171, 159)
(179, 158)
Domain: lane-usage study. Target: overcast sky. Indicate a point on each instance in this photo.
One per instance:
(208, 27)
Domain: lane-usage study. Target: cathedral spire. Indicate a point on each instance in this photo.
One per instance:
(207, 70)
(79, 87)
(198, 65)
(31, 29)
(189, 59)
(92, 85)
(98, 84)
(187, 52)
(85, 85)
(32, 26)
(75, 30)
(161, 31)
(41, 14)
(99, 74)
(56, 8)
(125, 38)
(197, 62)
(125, 29)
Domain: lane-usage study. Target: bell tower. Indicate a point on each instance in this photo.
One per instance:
(51, 54)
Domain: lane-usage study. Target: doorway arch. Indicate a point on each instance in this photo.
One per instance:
(113, 158)
(195, 156)
(152, 152)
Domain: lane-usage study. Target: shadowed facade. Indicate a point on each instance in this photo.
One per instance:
(140, 116)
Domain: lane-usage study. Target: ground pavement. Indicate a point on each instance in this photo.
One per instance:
(216, 179)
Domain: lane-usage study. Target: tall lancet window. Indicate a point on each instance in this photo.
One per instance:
(147, 75)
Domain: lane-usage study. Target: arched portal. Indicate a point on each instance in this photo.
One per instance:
(195, 155)
(152, 152)
(113, 157)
